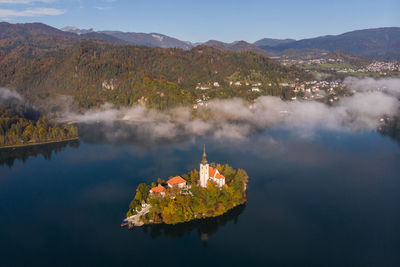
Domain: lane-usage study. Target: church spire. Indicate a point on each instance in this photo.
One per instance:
(204, 159)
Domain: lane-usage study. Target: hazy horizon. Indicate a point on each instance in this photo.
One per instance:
(226, 21)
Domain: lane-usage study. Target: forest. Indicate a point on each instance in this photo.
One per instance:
(94, 72)
(179, 206)
(20, 125)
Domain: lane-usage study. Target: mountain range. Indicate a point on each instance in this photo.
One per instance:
(32, 30)
(377, 43)
(381, 43)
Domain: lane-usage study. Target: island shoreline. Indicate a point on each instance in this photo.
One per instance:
(131, 225)
(212, 191)
(41, 143)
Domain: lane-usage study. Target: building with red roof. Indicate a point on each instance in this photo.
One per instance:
(177, 181)
(216, 177)
(208, 173)
(158, 190)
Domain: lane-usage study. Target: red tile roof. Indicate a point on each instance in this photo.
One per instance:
(158, 189)
(211, 171)
(219, 176)
(215, 173)
(176, 180)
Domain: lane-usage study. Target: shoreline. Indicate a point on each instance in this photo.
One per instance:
(41, 143)
(184, 222)
(196, 220)
(134, 220)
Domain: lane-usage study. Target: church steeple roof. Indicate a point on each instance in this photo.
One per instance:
(204, 159)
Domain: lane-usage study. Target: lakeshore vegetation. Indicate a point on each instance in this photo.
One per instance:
(26, 127)
(194, 202)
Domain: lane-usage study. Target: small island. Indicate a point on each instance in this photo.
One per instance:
(212, 191)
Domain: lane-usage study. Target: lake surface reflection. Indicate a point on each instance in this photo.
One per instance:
(9, 155)
(204, 228)
(328, 198)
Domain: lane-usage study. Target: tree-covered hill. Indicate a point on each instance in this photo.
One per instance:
(239, 46)
(94, 72)
(8, 30)
(30, 30)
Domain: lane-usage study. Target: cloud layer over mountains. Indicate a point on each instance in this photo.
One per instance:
(235, 118)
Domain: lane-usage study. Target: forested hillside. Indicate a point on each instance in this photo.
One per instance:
(21, 125)
(94, 72)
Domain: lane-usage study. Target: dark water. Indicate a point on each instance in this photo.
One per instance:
(329, 199)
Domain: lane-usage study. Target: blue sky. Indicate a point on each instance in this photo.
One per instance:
(202, 20)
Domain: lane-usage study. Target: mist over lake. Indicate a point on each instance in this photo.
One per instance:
(327, 199)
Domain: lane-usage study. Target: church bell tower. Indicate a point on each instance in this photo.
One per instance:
(204, 169)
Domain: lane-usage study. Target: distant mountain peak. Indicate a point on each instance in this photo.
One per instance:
(76, 30)
(273, 42)
(237, 46)
(149, 39)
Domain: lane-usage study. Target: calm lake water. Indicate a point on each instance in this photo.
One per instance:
(328, 199)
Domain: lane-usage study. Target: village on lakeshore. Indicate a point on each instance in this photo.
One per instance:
(327, 88)
(323, 90)
(199, 194)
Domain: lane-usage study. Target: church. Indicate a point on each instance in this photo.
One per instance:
(208, 173)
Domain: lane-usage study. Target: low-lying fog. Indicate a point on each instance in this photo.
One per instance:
(235, 118)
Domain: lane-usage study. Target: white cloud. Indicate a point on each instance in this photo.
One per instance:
(103, 8)
(30, 12)
(24, 1)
